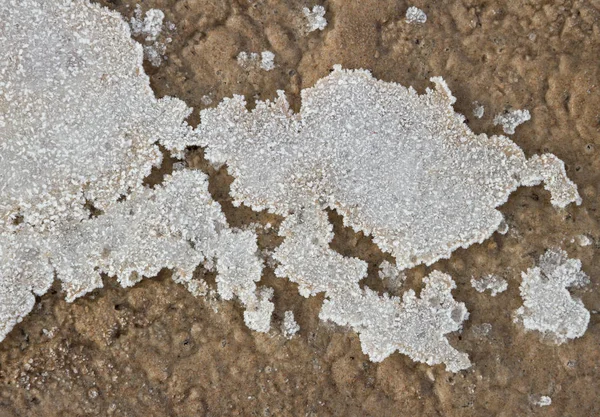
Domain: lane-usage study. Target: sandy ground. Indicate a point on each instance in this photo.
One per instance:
(155, 350)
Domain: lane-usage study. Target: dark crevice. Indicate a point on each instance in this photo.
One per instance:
(158, 173)
(349, 243)
(93, 210)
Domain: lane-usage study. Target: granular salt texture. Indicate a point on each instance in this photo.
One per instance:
(415, 327)
(177, 225)
(509, 121)
(79, 119)
(478, 110)
(315, 18)
(289, 327)
(490, 282)
(150, 27)
(548, 307)
(391, 273)
(80, 124)
(415, 15)
(399, 166)
(264, 60)
(267, 60)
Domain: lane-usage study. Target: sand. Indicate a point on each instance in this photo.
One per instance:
(155, 350)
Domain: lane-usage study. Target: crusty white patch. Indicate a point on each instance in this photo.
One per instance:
(548, 307)
(315, 18)
(83, 126)
(415, 15)
(491, 282)
(510, 120)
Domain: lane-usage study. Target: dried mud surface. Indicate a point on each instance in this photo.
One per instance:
(155, 350)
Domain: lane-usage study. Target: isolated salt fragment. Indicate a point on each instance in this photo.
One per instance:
(415, 15)
(315, 18)
(510, 120)
(548, 307)
(478, 110)
(490, 282)
(289, 327)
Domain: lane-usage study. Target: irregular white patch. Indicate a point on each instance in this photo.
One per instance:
(413, 326)
(249, 60)
(289, 327)
(150, 27)
(478, 110)
(415, 15)
(540, 400)
(267, 60)
(401, 167)
(315, 18)
(582, 240)
(548, 307)
(83, 126)
(493, 283)
(509, 121)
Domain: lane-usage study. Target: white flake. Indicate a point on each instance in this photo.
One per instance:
(493, 283)
(548, 307)
(510, 120)
(289, 327)
(249, 60)
(415, 15)
(315, 18)
(478, 110)
(267, 60)
(540, 400)
(582, 240)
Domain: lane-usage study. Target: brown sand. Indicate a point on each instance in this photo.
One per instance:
(155, 350)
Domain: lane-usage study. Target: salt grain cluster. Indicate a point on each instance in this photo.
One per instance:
(315, 18)
(548, 307)
(510, 120)
(494, 283)
(289, 327)
(79, 129)
(149, 28)
(265, 60)
(415, 15)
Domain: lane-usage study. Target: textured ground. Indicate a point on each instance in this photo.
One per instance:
(155, 350)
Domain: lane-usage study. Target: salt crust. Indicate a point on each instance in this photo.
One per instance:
(494, 283)
(81, 122)
(79, 119)
(509, 121)
(548, 307)
(315, 18)
(289, 327)
(399, 166)
(415, 15)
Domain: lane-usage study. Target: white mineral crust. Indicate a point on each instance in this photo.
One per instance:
(548, 307)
